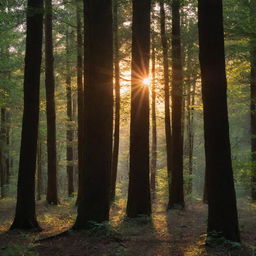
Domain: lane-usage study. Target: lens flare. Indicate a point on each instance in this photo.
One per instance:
(146, 81)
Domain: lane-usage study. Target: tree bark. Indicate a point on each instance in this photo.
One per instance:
(139, 187)
(167, 119)
(25, 216)
(98, 114)
(177, 193)
(52, 195)
(117, 101)
(222, 213)
(153, 117)
(39, 171)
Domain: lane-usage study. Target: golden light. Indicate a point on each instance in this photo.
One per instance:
(146, 81)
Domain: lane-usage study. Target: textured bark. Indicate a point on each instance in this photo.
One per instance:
(69, 132)
(98, 113)
(80, 93)
(52, 195)
(139, 187)
(253, 100)
(153, 118)
(177, 193)
(25, 216)
(167, 119)
(222, 213)
(117, 101)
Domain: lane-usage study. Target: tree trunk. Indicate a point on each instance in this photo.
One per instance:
(167, 121)
(25, 216)
(39, 171)
(253, 101)
(153, 118)
(80, 94)
(139, 187)
(51, 197)
(98, 114)
(222, 213)
(69, 133)
(177, 193)
(117, 101)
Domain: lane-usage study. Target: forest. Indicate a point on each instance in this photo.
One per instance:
(127, 127)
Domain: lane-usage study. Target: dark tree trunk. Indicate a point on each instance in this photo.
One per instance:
(25, 216)
(222, 213)
(51, 197)
(69, 133)
(253, 100)
(80, 93)
(139, 186)
(117, 101)
(177, 193)
(98, 113)
(153, 118)
(167, 121)
(39, 171)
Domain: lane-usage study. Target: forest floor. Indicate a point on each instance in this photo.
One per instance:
(173, 233)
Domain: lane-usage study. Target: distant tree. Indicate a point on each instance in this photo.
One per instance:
(117, 100)
(69, 132)
(139, 187)
(98, 114)
(25, 216)
(176, 198)
(222, 213)
(167, 121)
(51, 196)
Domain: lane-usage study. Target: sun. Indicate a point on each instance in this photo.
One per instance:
(146, 81)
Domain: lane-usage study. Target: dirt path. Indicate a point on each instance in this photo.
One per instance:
(173, 233)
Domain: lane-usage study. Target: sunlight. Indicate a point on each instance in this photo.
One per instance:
(146, 81)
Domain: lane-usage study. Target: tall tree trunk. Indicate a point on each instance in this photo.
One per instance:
(117, 101)
(25, 216)
(222, 213)
(80, 94)
(139, 187)
(98, 114)
(167, 121)
(253, 100)
(153, 117)
(3, 169)
(51, 197)
(177, 193)
(69, 133)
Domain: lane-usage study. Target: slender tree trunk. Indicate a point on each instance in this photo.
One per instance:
(25, 216)
(117, 101)
(167, 121)
(253, 101)
(222, 212)
(177, 193)
(98, 114)
(69, 133)
(153, 118)
(80, 92)
(139, 186)
(51, 197)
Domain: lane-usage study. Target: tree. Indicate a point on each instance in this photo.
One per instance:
(98, 114)
(177, 194)
(25, 216)
(139, 187)
(117, 101)
(167, 119)
(51, 197)
(222, 213)
(253, 98)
